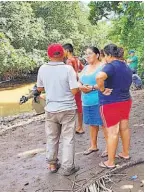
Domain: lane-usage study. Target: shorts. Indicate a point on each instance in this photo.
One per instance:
(91, 115)
(78, 102)
(115, 112)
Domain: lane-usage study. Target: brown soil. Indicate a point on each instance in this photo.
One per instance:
(27, 171)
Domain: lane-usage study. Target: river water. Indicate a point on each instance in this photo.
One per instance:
(9, 100)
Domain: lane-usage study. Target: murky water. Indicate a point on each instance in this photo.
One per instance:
(9, 100)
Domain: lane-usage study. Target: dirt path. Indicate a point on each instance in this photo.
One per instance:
(27, 173)
(125, 182)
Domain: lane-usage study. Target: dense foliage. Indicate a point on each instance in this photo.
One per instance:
(127, 20)
(26, 29)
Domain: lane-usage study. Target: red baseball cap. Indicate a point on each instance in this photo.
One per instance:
(55, 50)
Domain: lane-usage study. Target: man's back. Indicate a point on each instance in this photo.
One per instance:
(58, 79)
(60, 85)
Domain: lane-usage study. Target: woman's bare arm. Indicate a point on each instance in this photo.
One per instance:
(101, 77)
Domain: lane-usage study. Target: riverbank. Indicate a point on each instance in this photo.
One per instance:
(18, 82)
(15, 121)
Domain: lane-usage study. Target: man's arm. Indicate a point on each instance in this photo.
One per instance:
(73, 81)
(40, 86)
(69, 62)
(74, 91)
(40, 89)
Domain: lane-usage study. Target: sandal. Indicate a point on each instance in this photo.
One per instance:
(124, 158)
(80, 133)
(89, 151)
(54, 169)
(103, 165)
(104, 154)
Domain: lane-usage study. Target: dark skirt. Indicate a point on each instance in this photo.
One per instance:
(91, 115)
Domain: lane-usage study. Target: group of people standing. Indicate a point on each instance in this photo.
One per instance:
(96, 95)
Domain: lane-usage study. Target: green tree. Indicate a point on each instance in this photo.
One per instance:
(127, 25)
(28, 28)
(102, 9)
(14, 61)
(19, 24)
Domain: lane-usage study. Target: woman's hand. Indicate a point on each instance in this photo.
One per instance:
(85, 88)
(107, 91)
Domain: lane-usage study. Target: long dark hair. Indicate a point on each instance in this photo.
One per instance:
(102, 52)
(121, 53)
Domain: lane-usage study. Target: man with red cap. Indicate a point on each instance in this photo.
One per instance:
(60, 84)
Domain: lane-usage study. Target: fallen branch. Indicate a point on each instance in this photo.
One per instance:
(97, 184)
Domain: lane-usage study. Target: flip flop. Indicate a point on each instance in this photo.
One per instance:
(89, 151)
(104, 154)
(124, 158)
(102, 165)
(80, 133)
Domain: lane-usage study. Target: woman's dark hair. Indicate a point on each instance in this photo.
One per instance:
(102, 52)
(112, 50)
(94, 49)
(120, 52)
(68, 47)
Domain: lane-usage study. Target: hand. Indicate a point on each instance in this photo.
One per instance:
(23, 99)
(86, 88)
(36, 93)
(107, 91)
(36, 100)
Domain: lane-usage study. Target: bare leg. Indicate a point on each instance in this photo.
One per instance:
(125, 137)
(94, 135)
(112, 143)
(105, 152)
(105, 136)
(80, 123)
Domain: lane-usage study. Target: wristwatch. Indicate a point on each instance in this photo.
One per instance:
(93, 88)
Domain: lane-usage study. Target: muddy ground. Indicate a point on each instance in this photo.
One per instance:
(23, 170)
(124, 180)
